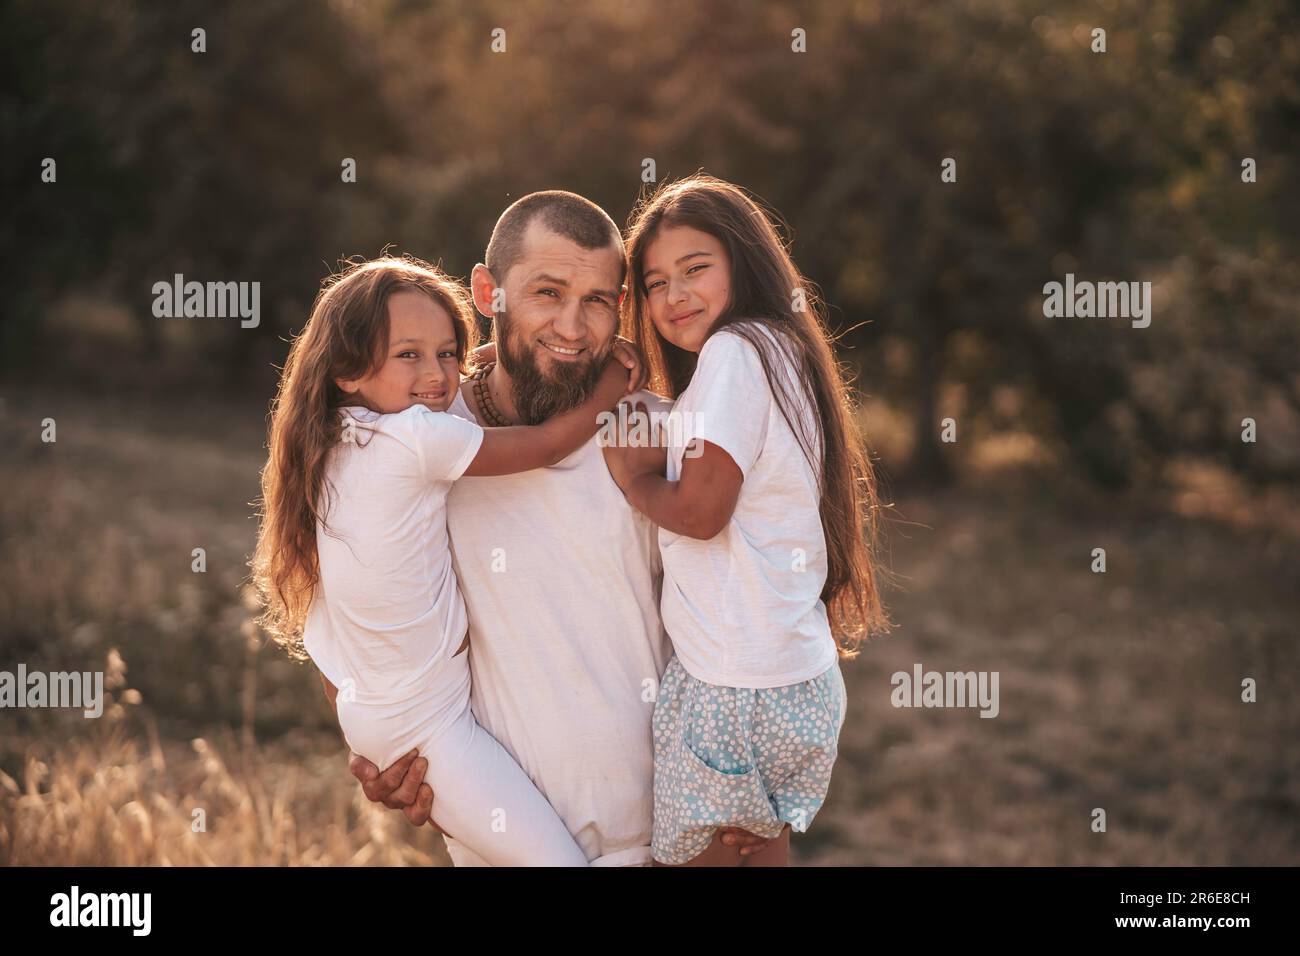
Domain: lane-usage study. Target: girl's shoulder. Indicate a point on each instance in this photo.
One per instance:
(733, 362)
(401, 426)
(747, 331)
(416, 437)
(743, 339)
(358, 413)
(386, 420)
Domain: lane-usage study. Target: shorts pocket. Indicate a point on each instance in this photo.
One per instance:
(726, 747)
(705, 780)
(716, 772)
(713, 763)
(830, 690)
(706, 798)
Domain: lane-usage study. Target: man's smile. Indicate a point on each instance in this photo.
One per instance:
(560, 349)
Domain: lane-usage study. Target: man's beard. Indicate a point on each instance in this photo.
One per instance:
(540, 395)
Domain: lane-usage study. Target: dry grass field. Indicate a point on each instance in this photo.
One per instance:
(1119, 690)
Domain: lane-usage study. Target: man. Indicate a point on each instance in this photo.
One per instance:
(560, 575)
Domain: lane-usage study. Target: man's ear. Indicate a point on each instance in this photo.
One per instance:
(483, 286)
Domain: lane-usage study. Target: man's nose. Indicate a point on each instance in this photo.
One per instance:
(570, 324)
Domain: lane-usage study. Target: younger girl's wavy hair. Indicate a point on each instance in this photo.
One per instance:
(764, 280)
(345, 338)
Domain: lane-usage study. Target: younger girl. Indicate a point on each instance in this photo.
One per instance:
(765, 520)
(353, 556)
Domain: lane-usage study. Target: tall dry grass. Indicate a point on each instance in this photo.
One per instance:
(98, 531)
(121, 801)
(1119, 690)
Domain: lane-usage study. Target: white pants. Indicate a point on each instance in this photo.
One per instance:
(481, 797)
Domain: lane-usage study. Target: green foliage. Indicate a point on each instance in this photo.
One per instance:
(1123, 165)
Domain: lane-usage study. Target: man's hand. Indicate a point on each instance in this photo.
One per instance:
(749, 843)
(400, 787)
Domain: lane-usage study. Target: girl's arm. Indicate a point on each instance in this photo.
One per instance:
(697, 506)
(516, 448)
(332, 693)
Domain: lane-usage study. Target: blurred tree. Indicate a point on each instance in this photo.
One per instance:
(1123, 165)
(218, 165)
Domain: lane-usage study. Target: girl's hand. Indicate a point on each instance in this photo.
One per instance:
(484, 354)
(627, 354)
(627, 462)
(613, 383)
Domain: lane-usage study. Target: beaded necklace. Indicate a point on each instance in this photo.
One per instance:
(484, 397)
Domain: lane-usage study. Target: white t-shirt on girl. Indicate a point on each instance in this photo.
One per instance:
(387, 608)
(744, 608)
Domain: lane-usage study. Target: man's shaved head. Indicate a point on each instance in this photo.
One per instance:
(566, 214)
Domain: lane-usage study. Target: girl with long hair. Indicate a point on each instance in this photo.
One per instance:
(767, 517)
(353, 558)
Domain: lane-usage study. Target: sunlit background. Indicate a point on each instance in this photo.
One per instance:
(1119, 690)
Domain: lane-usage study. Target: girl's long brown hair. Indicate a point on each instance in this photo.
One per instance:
(765, 285)
(345, 338)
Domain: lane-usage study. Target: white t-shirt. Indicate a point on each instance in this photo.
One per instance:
(386, 608)
(744, 608)
(561, 580)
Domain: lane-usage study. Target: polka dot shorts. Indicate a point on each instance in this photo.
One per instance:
(751, 758)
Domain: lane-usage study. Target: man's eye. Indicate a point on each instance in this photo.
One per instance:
(549, 292)
(600, 299)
